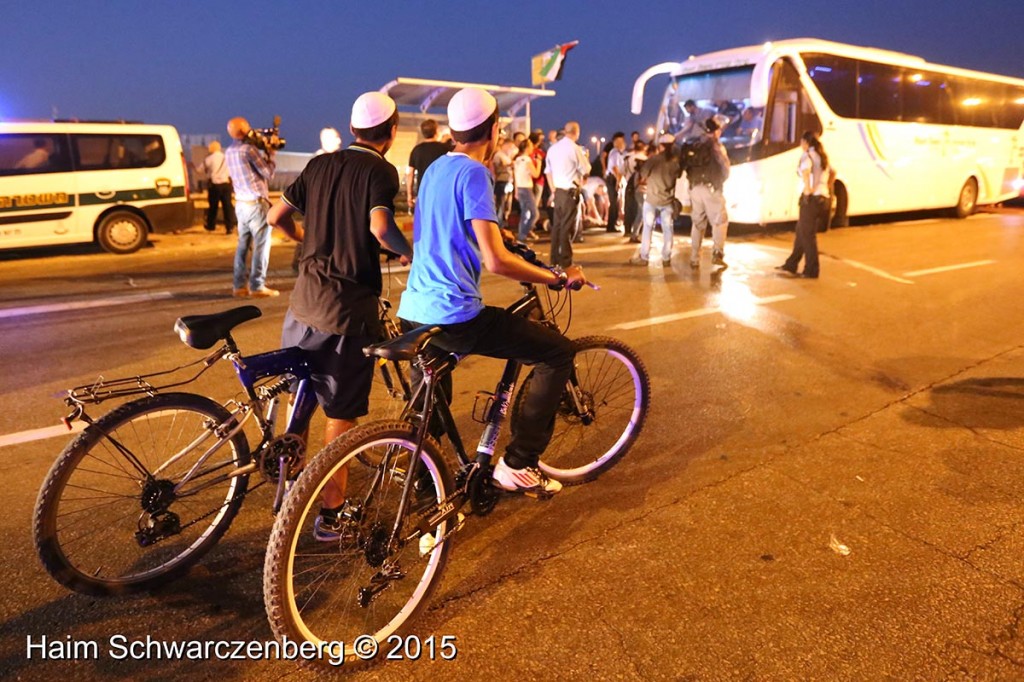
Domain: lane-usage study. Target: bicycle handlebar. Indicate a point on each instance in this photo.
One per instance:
(530, 256)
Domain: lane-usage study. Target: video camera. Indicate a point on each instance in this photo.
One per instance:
(266, 139)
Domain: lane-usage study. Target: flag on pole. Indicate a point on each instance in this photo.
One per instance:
(547, 66)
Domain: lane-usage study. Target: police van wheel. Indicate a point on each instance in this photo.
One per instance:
(122, 232)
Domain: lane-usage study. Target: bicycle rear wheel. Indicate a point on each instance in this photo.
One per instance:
(113, 515)
(612, 384)
(357, 586)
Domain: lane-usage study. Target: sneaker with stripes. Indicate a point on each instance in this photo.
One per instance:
(530, 480)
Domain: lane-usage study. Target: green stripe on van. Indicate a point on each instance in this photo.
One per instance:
(35, 202)
(130, 195)
(47, 200)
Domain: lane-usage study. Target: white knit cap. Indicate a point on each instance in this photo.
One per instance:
(371, 109)
(469, 108)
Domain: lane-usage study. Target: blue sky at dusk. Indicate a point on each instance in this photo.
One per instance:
(196, 64)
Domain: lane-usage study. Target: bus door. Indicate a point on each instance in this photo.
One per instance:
(789, 113)
(38, 192)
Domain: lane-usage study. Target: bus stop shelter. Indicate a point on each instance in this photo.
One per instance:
(420, 98)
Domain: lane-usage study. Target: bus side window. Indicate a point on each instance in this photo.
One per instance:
(790, 112)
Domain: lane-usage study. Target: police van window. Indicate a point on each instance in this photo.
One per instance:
(110, 152)
(30, 154)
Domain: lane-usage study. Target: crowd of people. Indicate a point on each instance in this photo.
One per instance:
(462, 190)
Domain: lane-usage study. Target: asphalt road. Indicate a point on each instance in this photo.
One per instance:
(828, 486)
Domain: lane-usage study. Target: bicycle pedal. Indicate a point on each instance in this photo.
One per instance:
(428, 541)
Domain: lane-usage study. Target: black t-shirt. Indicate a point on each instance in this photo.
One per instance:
(424, 154)
(339, 267)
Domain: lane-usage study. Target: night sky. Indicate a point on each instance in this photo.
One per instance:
(196, 64)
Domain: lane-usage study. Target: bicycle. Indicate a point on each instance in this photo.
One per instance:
(404, 504)
(143, 492)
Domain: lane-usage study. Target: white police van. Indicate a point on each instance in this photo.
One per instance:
(69, 182)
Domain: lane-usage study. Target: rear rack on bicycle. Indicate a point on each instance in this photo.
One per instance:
(142, 384)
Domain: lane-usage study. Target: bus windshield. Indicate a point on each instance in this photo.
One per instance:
(723, 91)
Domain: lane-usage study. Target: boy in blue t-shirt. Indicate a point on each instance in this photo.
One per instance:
(456, 235)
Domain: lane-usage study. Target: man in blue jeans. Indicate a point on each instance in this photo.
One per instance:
(250, 174)
(659, 174)
(456, 236)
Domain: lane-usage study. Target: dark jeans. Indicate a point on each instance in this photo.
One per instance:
(631, 208)
(220, 195)
(612, 183)
(497, 333)
(813, 213)
(562, 225)
(637, 225)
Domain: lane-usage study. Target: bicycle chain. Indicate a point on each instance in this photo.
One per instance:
(236, 496)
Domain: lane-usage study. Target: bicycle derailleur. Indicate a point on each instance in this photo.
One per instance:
(156, 523)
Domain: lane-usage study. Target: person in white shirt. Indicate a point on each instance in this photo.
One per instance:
(614, 174)
(524, 169)
(567, 166)
(219, 190)
(816, 180)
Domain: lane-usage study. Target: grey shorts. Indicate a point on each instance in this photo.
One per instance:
(342, 376)
(708, 205)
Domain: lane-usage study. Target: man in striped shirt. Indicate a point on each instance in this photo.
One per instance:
(250, 174)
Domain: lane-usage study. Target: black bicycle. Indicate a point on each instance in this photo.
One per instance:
(403, 503)
(143, 492)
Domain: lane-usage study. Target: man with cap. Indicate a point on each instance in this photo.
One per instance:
(250, 174)
(706, 182)
(456, 236)
(347, 200)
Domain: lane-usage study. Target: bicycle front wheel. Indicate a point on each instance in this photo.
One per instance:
(336, 593)
(116, 513)
(601, 414)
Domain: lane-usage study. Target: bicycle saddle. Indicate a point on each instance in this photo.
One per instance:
(404, 347)
(202, 331)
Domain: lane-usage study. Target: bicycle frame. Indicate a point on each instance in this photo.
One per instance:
(434, 368)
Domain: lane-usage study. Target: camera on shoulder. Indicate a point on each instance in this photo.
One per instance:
(266, 139)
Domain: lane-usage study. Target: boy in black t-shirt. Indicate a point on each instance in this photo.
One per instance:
(423, 154)
(347, 199)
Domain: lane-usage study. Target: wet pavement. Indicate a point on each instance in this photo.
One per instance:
(828, 485)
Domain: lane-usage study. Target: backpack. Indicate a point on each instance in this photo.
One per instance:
(698, 160)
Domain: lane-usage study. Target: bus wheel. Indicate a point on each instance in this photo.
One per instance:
(968, 200)
(122, 232)
(840, 216)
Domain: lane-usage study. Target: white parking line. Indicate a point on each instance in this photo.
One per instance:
(948, 268)
(39, 434)
(82, 305)
(700, 312)
(873, 270)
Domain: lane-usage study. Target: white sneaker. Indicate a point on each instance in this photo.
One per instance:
(530, 480)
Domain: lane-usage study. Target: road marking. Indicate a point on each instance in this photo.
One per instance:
(948, 268)
(39, 434)
(700, 312)
(610, 247)
(873, 270)
(82, 305)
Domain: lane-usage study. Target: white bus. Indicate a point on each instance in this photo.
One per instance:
(902, 134)
(112, 183)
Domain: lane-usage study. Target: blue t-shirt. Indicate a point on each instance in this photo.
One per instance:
(444, 282)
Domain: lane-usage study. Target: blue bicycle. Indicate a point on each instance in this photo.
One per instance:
(147, 489)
